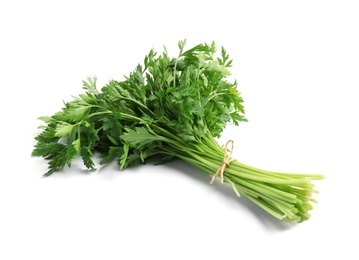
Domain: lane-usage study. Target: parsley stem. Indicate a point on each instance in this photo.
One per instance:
(100, 113)
(124, 115)
(280, 194)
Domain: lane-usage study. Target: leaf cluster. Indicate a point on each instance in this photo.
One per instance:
(165, 107)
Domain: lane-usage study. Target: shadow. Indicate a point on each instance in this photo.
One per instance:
(267, 220)
(112, 170)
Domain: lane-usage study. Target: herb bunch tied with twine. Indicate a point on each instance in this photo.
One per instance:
(170, 107)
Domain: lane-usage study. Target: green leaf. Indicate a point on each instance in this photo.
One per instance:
(77, 145)
(113, 140)
(71, 154)
(108, 123)
(90, 85)
(123, 157)
(112, 153)
(45, 149)
(86, 155)
(181, 45)
(76, 112)
(46, 119)
(139, 137)
(236, 118)
(63, 129)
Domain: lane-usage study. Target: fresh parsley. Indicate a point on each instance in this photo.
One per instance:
(169, 107)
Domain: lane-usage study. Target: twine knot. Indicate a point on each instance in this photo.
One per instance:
(226, 161)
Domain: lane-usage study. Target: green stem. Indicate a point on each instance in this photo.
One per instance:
(108, 112)
(284, 195)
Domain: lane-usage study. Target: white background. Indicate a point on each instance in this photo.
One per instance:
(297, 65)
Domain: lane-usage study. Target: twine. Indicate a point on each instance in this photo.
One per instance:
(226, 161)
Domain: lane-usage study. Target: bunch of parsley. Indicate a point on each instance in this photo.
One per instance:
(169, 107)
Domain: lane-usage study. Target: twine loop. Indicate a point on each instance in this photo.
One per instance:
(226, 161)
